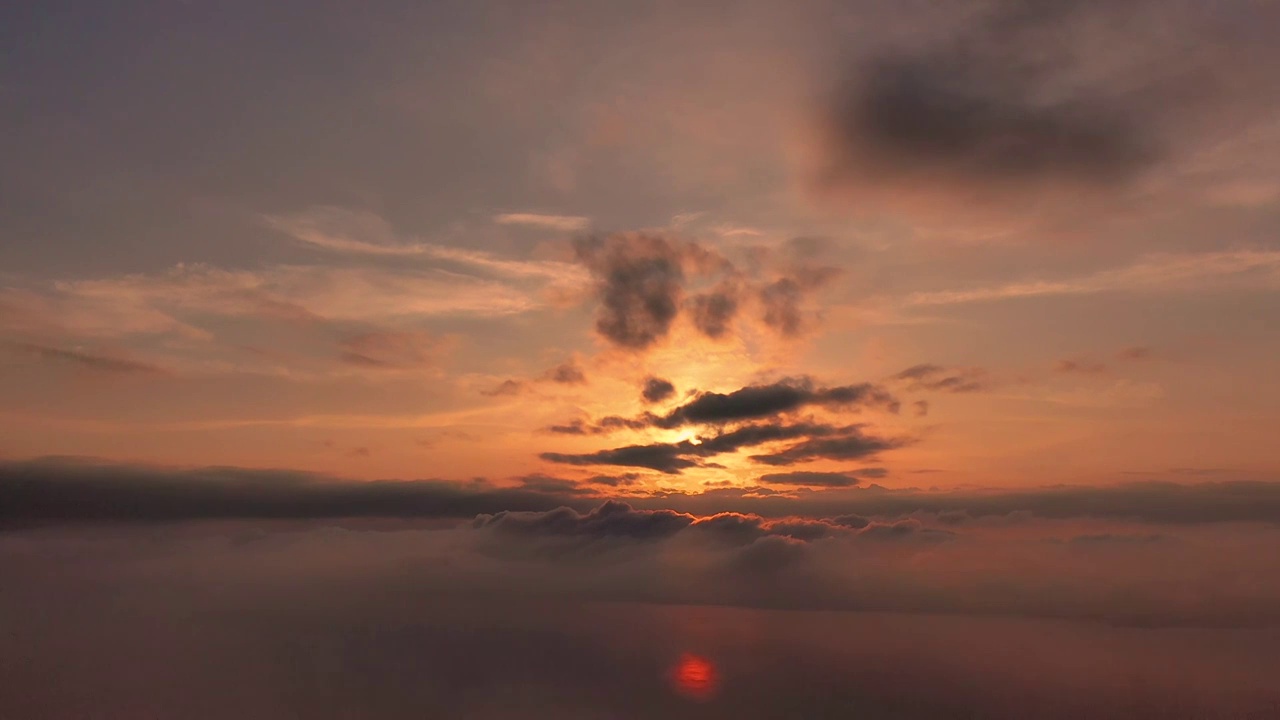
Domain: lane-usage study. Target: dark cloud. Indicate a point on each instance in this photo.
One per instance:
(66, 491)
(921, 407)
(810, 479)
(992, 105)
(940, 379)
(88, 361)
(757, 401)
(656, 389)
(713, 312)
(853, 445)
(566, 374)
(749, 403)
(672, 458)
(669, 458)
(607, 424)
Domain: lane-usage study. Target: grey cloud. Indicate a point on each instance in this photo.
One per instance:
(782, 300)
(644, 282)
(992, 106)
(640, 282)
(566, 374)
(656, 389)
(713, 312)
(940, 379)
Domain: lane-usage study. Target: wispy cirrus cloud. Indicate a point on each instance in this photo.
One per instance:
(77, 358)
(354, 232)
(566, 223)
(1153, 273)
(185, 296)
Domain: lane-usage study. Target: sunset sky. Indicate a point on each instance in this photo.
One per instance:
(318, 238)
(999, 280)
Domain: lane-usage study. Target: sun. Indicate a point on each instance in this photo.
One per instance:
(694, 677)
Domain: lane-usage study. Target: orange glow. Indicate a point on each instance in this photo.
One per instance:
(694, 677)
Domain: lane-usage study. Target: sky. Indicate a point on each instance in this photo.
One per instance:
(954, 321)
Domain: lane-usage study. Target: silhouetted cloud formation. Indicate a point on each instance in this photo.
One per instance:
(820, 440)
(668, 458)
(853, 445)
(811, 479)
(757, 401)
(656, 389)
(68, 490)
(745, 404)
